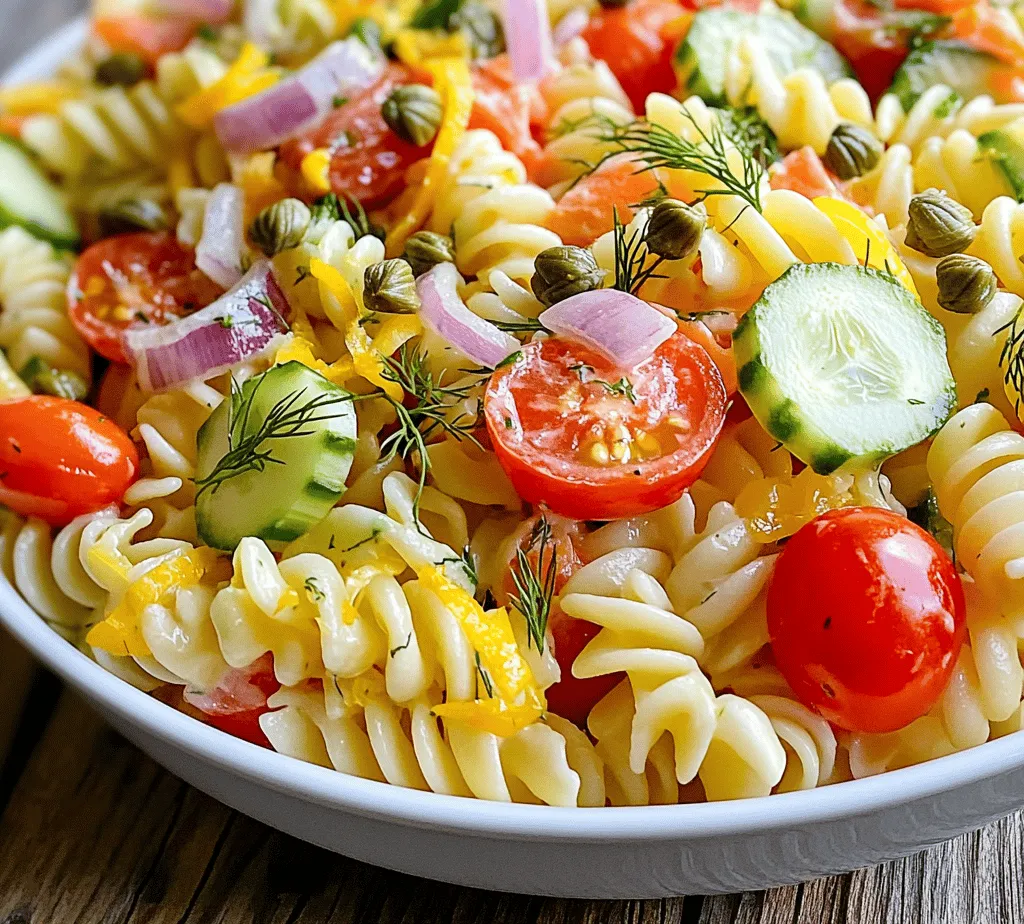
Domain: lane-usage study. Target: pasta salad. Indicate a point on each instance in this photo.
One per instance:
(555, 401)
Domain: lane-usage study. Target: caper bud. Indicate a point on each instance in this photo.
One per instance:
(414, 113)
(280, 226)
(122, 68)
(674, 229)
(852, 151)
(425, 249)
(132, 215)
(44, 379)
(390, 287)
(563, 271)
(938, 225)
(481, 28)
(966, 284)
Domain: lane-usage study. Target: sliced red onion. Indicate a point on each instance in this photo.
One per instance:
(219, 251)
(298, 102)
(213, 12)
(444, 312)
(242, 324)
(569, 26)
(620, 326)
(528, 38)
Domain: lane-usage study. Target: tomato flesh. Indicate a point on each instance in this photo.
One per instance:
(133, 280)
(577, 434)
(637, 42)
(573, 697)
(239, 699)
(368, 160)
(803, 172)
(60, 458)
(866, 616)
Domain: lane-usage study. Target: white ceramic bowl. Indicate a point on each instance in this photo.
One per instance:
(601, 853)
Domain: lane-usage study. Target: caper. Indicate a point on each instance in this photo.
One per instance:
(390, 287)
(414, 113)
(425, 249)
(966, 284)
(481, 28)
(44, 379)
(560, 272)
(674, 229)
(130, 215)
(939, 225)
(280, 226)
(123, 68)
(852, 151)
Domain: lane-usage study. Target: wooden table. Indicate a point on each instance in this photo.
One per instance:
(93, 831)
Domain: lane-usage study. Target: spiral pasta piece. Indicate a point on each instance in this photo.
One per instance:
(496, 215)
(33, 312)
(977, 466)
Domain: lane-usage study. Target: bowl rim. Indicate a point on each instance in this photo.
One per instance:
(510, 821)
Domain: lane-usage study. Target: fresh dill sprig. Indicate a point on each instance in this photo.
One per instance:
(1011, 359)
(623, 387)
(535, 585)
(331, 208)
(484, 678)
(251, 450)
(660, 147)
(633, 268)
(527, 325)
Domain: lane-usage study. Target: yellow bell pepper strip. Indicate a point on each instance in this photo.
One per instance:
(315, 170)
(299, 349)
(120, 633)
(246, 77)
(453, 82)
(519, 700)
(365, 360)
(869, 243)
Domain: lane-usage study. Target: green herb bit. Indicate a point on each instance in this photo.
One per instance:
(484, 678)
(313, 590)
(660, 147)
(535, 585)
(526, 326)
(633, 268)
(622, 388)
(1011, 359)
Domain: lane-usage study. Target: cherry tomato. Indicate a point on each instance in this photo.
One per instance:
(131, 280)
(368, 160)
(239, 699)
(637, 41)
(866, 616)
(576, 434)
(60, 458)
(872, 40)
(150, 37)
(572, 698)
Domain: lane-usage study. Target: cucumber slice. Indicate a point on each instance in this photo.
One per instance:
(842, 363)
(714, 34)
(302, 475)
(1006, 148)
(965, 70)
(28, 199)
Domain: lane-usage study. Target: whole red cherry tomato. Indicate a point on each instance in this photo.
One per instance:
(866, 616)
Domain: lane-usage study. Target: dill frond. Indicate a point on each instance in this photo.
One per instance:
(535, 585)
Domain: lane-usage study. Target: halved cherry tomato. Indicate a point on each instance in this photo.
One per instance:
(637, 41)
(591, 442)
(150, 37)
(561, 535)
(866, 615)
(131, 280)
(720, 352)
(60, 458)
(507, 108)
(588, 209)
(802, 171)
(368, 160)
(239, 699)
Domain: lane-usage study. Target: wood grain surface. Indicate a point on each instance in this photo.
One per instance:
(93, 832)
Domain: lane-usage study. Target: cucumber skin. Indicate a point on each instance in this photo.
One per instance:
(63, 240)
(786, 421)
(1006, 146)
(321, 491)
(916, 73)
